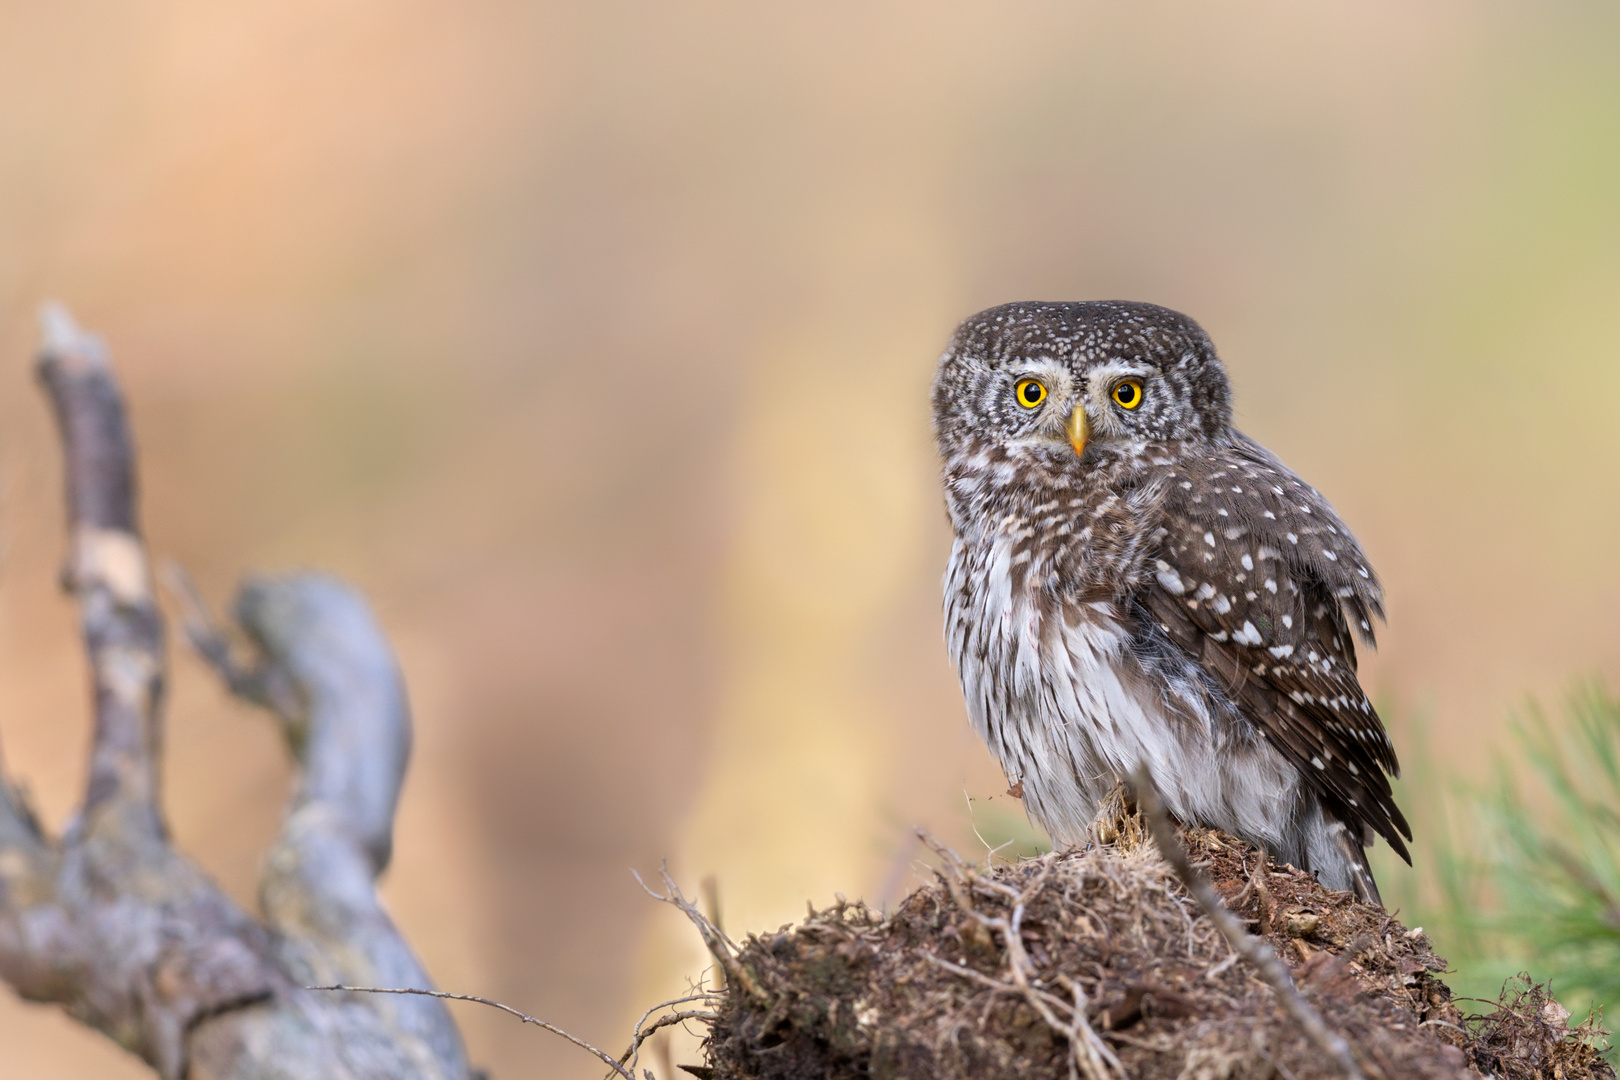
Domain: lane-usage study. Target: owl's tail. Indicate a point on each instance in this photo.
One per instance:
(1355, 857)
(1335, 852)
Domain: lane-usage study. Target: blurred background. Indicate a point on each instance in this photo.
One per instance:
(593, 342)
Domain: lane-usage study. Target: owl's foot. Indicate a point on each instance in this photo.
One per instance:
(1119, 823)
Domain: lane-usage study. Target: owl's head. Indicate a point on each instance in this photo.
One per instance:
(1070, 384)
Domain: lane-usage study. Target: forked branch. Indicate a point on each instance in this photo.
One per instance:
(127, 933)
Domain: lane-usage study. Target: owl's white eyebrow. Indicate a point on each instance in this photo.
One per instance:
(1116, 369)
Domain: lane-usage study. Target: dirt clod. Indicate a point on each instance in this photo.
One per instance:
(1097, 964)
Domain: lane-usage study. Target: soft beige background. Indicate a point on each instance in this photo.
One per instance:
(593, 342)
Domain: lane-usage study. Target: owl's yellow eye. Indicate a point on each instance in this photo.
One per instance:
(1128, 394)
(1029, 393)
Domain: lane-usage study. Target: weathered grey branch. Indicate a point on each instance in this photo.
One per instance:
(330, 677)
(125, 932)
(106, 570)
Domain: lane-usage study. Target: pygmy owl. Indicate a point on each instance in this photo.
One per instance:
(1133, 581)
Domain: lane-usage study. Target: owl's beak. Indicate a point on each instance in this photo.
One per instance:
(1079, 429)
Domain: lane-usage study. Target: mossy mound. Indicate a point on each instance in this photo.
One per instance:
(1116, 972)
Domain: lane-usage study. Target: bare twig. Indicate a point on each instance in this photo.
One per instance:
(720, 947)
(209, 639)
(1256, 952)
(959, 874)
(989, 852)
(639, 1034)
(969, 974)
(1220, 969)
(523, 1016)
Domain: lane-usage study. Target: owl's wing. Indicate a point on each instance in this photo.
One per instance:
(1258, 580)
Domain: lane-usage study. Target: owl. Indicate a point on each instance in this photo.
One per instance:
(1133, 581)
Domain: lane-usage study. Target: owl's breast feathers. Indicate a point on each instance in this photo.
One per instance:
(1257, 580)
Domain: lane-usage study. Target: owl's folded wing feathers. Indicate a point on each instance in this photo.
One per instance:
(1257, 579)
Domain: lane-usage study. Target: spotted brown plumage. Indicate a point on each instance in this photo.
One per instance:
(1259, 580)
(1134, 581)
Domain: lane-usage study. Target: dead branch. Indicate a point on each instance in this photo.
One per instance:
(443, 995)
(128, 934)
(1252, 949)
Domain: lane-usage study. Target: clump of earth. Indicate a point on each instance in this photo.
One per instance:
(1098, 964)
